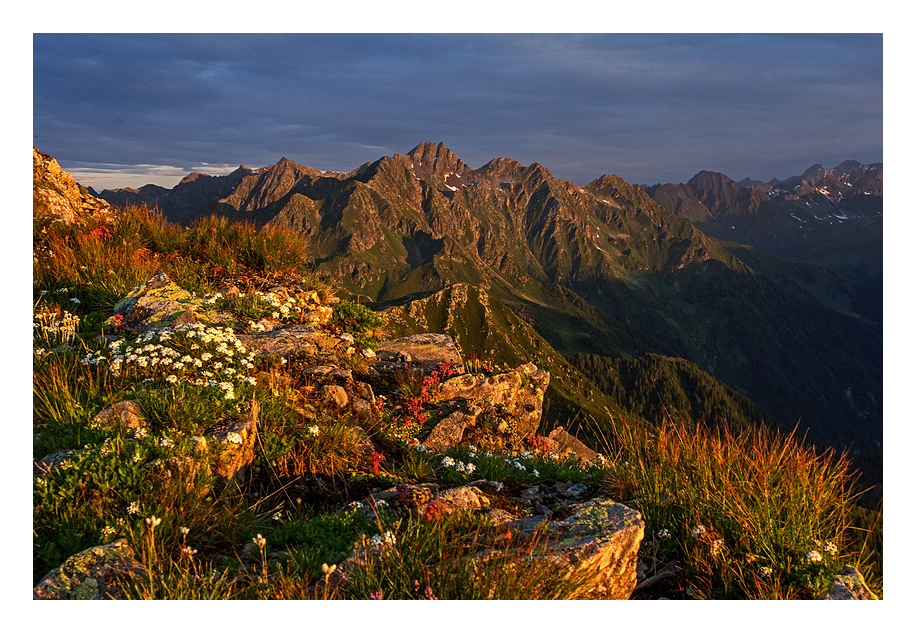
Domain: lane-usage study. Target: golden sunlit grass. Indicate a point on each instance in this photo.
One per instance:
(751, 514)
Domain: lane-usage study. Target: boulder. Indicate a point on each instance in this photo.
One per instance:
(236, 442)
(562, 442)
(290, 340)
(597, 542)
(160, 302)
(127, 414)
(335, 395)
(49, 463)
(426, 349)
(93, 574)
(601, 540)
(450, 431)
(849, 585)
(518, 394)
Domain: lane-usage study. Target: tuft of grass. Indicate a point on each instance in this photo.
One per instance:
(101, 263)
(755, 514)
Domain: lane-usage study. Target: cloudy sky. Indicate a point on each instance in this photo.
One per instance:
(126, 110)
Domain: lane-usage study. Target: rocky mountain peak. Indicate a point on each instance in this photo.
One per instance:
(846, 167)
(437, 158)
(814, 173)
(707, 180)
(56, 193)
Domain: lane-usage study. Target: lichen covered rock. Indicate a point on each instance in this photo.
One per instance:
(235, 445)
(849, 585)
(93, 574)
(160, 302)
(601, 539)
(126, 415)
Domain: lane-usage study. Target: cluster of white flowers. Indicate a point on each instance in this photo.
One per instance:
(280, 309)
(54, 328)
(663, 533)
(461, 467)
(715, 546)
(283, 308)
(219, 359)
(698, 531)
(814, 556)
(387, 539)
(518, 464)
(314, 430)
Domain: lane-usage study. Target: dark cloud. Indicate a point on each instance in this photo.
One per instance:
(651, 108)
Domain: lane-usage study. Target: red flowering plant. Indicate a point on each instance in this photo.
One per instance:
(539, 445)
(102, 231)
(434, 511)
(376, 458)
(406, 418)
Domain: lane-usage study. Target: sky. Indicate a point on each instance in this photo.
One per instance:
(124, 110)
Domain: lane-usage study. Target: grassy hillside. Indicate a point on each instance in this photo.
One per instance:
(765, 502)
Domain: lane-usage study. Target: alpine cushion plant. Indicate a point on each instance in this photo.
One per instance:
(359, 321)
(195, 354)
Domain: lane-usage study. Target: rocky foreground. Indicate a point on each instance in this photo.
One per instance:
(590, 532)
(495, 411)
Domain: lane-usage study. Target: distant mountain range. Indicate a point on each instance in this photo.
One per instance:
(517, 264)
(829, 217)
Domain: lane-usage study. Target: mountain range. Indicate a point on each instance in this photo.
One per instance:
(828, 217)
(606, 277)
